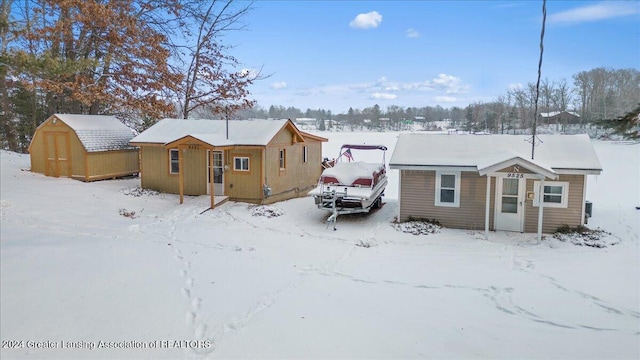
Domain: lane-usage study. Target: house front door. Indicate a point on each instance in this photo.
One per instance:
(218, 171)
(509, 204)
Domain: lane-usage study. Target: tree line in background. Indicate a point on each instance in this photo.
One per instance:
(143, 60)
(137, 59)
(596, 95)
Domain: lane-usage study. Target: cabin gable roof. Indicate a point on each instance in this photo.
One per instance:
(214, 132)
(553, 153)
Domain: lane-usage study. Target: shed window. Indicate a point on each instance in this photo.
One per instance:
(447, 189)
(174, 161)
(554, 194)
(241, 163)
(283, 159)
(305, 154)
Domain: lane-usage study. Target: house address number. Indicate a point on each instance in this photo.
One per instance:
(515, 175)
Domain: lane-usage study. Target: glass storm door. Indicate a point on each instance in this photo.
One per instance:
(509, 214)
(218, 171)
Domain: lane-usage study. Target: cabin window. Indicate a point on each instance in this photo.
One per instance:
(283, 159)
(241, 163)
(555, 194)
(305, 154)
(174, 161)
(447, 188)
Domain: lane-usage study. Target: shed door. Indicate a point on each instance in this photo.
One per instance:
(57, 154)
(509, 204)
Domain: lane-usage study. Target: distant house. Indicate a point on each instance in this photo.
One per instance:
(560, 117)
(83, 147)
(307, 122)
(490, 182)
(255, 161)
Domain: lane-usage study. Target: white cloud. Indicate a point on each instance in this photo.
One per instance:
(366, 21)
(450, 84)
(249, 72)
(600, 11)
(445, 99)
(383, 96)
(278, 85)
(412, 33)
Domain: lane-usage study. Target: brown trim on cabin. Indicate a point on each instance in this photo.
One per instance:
(86, 165)
(112, 151)
(313, 137)
(146, 144)
(263, 168)
(103, 176)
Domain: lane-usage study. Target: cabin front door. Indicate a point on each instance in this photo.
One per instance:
(218, 171)
(509, 204)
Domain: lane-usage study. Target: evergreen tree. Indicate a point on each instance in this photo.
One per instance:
(628, 125)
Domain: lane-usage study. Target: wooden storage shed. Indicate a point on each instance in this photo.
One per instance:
(83, 147)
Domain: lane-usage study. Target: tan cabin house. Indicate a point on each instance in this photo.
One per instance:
(83, 147)
(255, 161)
(491, 182)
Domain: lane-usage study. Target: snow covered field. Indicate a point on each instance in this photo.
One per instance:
(79, 279)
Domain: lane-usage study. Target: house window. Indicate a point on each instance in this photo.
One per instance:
(241, 163)
(447, 188)
(283, 158)
(555, 194)
(305, 154)
(174, 161)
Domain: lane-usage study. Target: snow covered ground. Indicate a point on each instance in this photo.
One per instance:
(79, 279)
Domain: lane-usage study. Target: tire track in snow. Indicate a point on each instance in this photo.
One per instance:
(523, 265)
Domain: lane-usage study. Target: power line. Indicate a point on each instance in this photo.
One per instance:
(535, 114)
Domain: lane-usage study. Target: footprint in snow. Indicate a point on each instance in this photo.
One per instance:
(200, 331)
(191, 318)
(186, 293)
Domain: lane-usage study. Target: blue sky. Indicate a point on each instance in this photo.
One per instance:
(336, 54)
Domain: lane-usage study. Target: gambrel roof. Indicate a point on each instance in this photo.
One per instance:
(98, 132)
(554, 153)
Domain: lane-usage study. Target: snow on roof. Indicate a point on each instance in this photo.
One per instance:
(566, 152)
(98, 132)
(554, 113)
(241, 132)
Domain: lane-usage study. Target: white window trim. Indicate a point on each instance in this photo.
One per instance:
(241, 158)
(282, 159)
(171, 161)
(565, 194)
(456, 195)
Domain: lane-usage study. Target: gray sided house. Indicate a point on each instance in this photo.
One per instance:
(255, 161)
(491, 182)
(83, 147)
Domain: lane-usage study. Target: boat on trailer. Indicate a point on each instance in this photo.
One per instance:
(351, 187)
